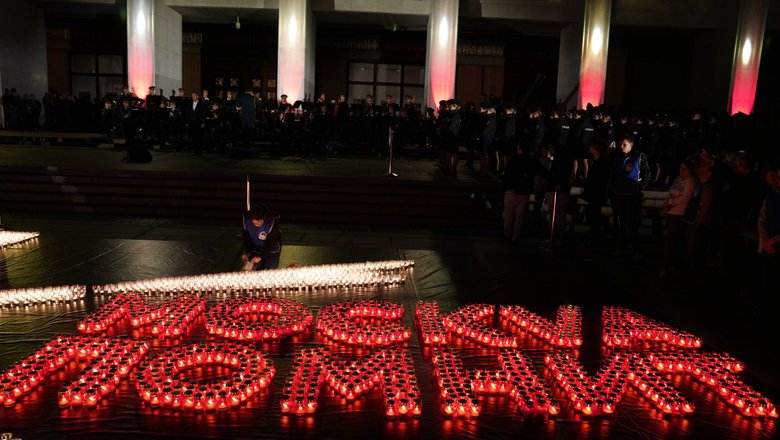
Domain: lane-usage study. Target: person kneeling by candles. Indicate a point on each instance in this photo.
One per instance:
(262, 239)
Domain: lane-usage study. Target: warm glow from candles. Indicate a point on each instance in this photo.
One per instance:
(8, 238)
(311, 278)
(41, 295)
(391, 369)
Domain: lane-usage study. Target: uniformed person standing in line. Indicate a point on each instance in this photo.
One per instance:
(452, 137)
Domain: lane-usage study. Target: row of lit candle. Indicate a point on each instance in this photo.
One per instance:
(456, 392)
(42, 295)
(230, 319)
(517, 378)
(28, 374)
(589, 396)
(625, 328)
(467, 322)
(429, 323)
(656, 388)
(344, 322)
(10, 238)
(390, 368)
(172, 318)
(302, 386)
(159, 384)
(601, 393)
(718, 372)
(102, 376)
(355, 275)
(566, 331)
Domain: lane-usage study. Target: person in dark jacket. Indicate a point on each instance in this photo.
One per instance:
(486, 137)
(196, 122)
(262, 239)
(596, 190)
(521, 170)
(246, 108)
(507, 139)
(451, 137)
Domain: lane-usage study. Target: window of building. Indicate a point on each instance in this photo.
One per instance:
(380, 80)
(96, 75)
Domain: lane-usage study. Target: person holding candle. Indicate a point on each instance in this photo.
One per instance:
(262, 239)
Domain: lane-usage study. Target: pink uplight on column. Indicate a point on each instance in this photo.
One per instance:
(295, 28)
(595, 44)
(440, 62)
(140, 45)
(747, 55)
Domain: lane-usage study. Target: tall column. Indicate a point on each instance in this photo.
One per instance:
(747, 55)
(441, 58)
(595, 43)
(295, 71)
(153, 46)
(569, 65)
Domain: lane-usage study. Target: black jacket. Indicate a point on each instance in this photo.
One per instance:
(197, 115)
(520, 173)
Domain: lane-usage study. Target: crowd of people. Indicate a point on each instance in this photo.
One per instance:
(722, 206)
(717, 168)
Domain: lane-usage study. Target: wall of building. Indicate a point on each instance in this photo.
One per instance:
(338, 46)
(23, 47)
(167, 48)
(768, 94)
(103, 35)
(246, 54)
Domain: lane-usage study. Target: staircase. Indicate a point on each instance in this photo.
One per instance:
(354, 201)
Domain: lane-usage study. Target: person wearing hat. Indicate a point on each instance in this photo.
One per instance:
(451, 138)
(507, 138)
(486, 137)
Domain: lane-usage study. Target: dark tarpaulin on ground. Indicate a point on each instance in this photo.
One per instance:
(452, 278)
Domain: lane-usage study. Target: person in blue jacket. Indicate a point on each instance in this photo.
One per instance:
(630, 174)
(262, 239)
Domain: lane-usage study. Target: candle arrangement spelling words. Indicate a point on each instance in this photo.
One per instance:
(375, 326)
(230, 319)
(390, 368)
(342, 323)
(627, 329)
(168, 319)
(158, 383)
(110, 363)
(470, 322)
